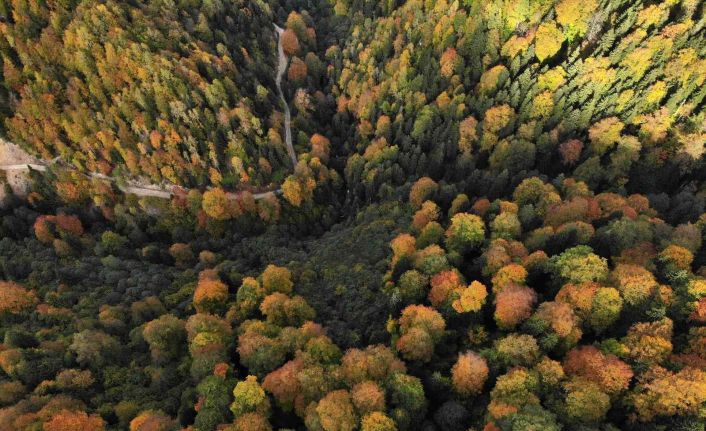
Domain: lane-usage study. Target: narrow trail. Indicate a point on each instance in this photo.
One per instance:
(13, 158)
(281, 68)
(23, 167)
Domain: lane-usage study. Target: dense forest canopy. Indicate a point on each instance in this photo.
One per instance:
(175, 91)
(495, 221)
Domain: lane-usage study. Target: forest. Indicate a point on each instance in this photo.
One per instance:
(495, 219)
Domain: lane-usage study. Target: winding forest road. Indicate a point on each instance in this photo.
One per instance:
(281, 68)
(13, 159)
(23, 167)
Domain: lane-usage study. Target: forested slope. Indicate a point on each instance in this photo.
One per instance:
(496, 221)
(182, 92)
(479, 94)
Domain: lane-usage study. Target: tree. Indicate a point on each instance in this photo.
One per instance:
(571, 151)
(605, 308)
(507, 275)
(146, 310)
(533, 191)
(531, 417)
(290, 43)
(260, 353)
(574, 16)
(548, 41)
(166, 337)
(209, 338)
(676, 258)
(496, 118)
(654, 127)
(211, 293)
(377, 421)
(277, 279)
(452, 415)
(94, 348)
(635, 284)
(513, 305)
(469, 374)
(423, 122)
(297, 190)
(550, 372)
(604, 134)
(248, 298)
(214, 397)
(650, 342)
(66, 420)
(431, 234)
(416, 344)
(422, 190)
(431, 260)
(182, 254)
(579, 297)
(491, 78)
(412, 286)
(250, 398)
(251, 422)
(11, 361)
(579, 264)
(375, 363)
(320, 146)
(336, 412)
(518, 349)
(296, 22)
(421, 328)
(542, 105)
(407, 401)
(556, 319)
(282, 310)
(74, 379)
(471, 298)
(297, 71)
(11, 392)
(43, 229)
(217, 205)
(465, 233)
(429, 212)
(468, 134)
(505, 225)
(449, 62)
(513, 391)
(443, 285)
(283, 383)
(269, 208)
(607, 371)
(426, 318)
(152, 420)
(666, 393)
(15, 299)
(368, 397)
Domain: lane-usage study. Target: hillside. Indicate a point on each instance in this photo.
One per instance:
(390, 216)
(180, 93)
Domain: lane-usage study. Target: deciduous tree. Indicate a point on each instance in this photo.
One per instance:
(66, 420)
(465, 233)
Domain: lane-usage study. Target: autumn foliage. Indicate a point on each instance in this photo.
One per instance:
(210, 294)
(290, 42)
(15, 299)
(610, 373)
(217, 204)
(513, 305)
(151, 420)
(469, 374)
(67, 421)
(495, 219)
